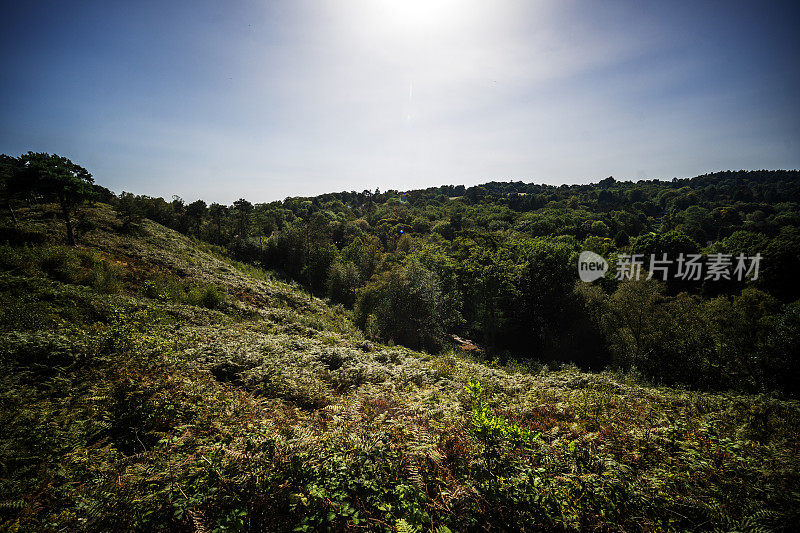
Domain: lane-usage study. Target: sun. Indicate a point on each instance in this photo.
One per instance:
(413, 21)
(418, 14)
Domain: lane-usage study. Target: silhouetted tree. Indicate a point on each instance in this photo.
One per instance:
(9, 168)
(56, 177)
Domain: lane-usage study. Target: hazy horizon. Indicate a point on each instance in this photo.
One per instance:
(278, 99)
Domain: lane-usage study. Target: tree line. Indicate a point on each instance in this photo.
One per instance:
(497, 263)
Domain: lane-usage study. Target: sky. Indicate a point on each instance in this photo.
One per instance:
(264, 100)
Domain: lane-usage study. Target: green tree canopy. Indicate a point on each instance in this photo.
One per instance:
(404, 305)
(56, 177)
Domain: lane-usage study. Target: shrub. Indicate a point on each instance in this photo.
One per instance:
(104, 277)
(207, 296)
(490, 428)
(150, 289)
(58, 262)
(18, 236)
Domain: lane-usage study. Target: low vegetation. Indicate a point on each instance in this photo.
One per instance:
(149, 382)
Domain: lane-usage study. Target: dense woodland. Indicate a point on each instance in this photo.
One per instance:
(292, 366)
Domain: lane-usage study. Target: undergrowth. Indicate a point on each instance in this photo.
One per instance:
(140, 391)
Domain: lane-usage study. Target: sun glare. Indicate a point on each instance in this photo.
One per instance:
(409, 17)
(418, 14)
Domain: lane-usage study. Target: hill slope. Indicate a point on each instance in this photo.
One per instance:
(148, 382)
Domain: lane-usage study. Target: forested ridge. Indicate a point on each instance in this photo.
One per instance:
(496, 264)
(304, 365)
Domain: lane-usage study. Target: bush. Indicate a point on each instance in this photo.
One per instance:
(41, 352)
(150, 289)
(208, 296)
(58, 262)
(18, 236)
(104, 277)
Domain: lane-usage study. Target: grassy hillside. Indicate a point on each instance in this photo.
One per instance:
(149, 382)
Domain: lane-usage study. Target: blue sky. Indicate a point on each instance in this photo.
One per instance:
(263, 100)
